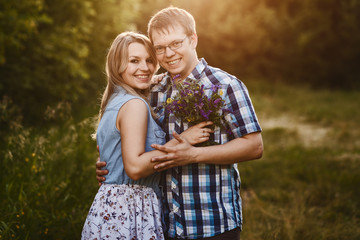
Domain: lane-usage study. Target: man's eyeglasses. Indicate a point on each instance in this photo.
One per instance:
(173, 46)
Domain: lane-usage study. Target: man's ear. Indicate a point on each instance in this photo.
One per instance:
(194, 40)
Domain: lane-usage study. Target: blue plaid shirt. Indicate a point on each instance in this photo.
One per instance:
(203, 200)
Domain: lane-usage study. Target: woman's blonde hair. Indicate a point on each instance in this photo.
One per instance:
(116, 64)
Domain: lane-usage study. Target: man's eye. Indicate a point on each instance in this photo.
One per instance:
(159, 48)
(176, 44)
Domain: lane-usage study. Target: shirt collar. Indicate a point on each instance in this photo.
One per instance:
(195, 74)
(198, 70)
(118, 89)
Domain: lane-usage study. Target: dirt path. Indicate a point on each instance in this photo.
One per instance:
(311, 135)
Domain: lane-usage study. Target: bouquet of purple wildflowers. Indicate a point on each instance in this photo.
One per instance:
(191, 105)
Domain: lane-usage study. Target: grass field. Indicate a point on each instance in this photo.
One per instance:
(306, 184)
(304, 187)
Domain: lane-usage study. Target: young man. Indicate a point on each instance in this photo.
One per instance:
(201, 184)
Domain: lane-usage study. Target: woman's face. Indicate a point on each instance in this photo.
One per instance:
(140, 67)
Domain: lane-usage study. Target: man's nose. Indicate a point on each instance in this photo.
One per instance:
(169, 52)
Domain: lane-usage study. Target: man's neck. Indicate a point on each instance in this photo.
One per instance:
(180, 77)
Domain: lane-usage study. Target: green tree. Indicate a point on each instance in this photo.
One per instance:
(46, 64)
(55, 50)
(311, 41)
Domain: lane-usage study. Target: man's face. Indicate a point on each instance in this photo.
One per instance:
(181, 60)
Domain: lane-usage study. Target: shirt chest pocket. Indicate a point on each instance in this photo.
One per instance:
(159, 136)
(155, 136)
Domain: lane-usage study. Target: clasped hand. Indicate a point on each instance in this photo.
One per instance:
(181, 154)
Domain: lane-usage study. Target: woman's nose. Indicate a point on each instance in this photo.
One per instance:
(144, 66)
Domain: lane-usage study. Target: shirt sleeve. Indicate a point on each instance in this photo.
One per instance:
(241, 115)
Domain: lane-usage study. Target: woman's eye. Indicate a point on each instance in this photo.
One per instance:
(134, 61)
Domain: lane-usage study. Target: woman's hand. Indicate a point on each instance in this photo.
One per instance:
(198, 133)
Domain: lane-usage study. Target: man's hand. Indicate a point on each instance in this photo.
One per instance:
(181, 154)
(157, 78)
(99, 172)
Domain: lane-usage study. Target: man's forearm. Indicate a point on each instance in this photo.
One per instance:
(246, 148)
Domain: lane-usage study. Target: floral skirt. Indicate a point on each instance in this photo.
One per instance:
(124, 212)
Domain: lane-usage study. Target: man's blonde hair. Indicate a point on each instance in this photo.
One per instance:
(171, 17)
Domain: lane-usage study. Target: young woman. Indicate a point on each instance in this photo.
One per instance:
(127, 205)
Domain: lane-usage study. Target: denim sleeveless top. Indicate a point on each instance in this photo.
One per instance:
(109, 142)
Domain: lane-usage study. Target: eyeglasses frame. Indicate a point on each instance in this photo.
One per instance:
(170, 46)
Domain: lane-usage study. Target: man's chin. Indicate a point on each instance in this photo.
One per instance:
(174, 73)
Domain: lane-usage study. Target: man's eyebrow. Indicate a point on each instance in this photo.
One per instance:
(176, 40)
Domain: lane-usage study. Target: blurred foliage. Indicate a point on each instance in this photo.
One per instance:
(55, 50)
(302, 187)
(46, 177)
(52, 55)
(305, 185)
(310, 41)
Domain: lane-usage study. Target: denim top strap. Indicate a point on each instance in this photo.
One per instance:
(109, 142)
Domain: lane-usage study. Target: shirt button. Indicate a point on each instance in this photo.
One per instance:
(173, 185)
(176, 209)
